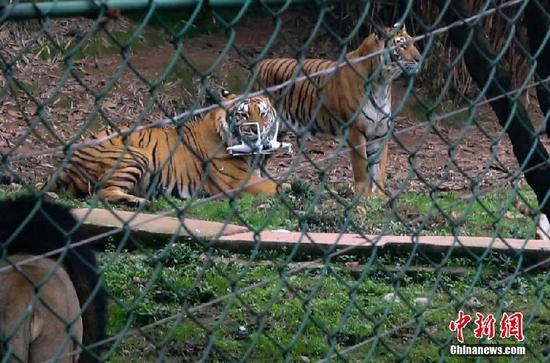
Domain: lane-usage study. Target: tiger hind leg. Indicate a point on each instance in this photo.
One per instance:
(129, 172)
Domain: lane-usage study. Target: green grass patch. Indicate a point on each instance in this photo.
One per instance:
(324, 210)
(102, 44)
(307, 314)
(274, 307)
(186, 75)
(207, 22)
(166, 25)
(327, 210)
(237, 80)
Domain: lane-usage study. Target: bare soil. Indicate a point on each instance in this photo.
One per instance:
(423, 155)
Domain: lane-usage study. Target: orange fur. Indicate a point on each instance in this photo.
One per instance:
(334, 103)
(184, 162)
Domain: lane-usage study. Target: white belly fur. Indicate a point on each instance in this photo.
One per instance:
(377, 110)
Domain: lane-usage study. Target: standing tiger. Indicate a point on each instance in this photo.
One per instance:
(356, 97)
(188, 161)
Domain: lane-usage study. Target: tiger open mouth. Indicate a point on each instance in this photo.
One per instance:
(408, 66)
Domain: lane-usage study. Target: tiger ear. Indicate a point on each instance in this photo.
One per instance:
(399, 27)
(379, 33)
(382, 33)
(226, 95)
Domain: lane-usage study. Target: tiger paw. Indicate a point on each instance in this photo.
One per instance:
(140, 202)
(377, 193)
(52, 195)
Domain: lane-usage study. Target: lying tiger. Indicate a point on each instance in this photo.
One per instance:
(185, 162)
(357, 98)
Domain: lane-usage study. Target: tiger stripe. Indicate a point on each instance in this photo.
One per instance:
(325, 103)
(182, 162)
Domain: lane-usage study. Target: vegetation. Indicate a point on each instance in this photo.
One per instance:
(277, 306)
(274, 307)
(330, 209)
(302, 308)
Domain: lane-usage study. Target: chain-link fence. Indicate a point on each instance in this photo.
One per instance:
(274, 180)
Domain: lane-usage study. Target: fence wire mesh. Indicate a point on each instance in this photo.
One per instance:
(274, 180)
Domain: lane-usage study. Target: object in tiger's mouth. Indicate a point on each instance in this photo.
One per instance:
(257, 140)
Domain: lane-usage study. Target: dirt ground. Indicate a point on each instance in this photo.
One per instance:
(120, 87)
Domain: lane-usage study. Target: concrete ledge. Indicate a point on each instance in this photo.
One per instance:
(326, 242)
(153, 230)
(147, 228)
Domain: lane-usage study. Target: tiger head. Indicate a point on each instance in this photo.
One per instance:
(252, 125)
(402, 56)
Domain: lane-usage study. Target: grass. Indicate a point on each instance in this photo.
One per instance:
(328, 209)
(305, 315)
(301, 313)
(101, 44)
(237, 80)
(208, 22)
(162, 27)
(187, 76)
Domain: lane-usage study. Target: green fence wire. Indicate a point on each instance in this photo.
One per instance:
(467, 133)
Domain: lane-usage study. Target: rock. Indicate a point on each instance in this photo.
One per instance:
(392, 297)
(473, 302)
(52, 195)
(241, 332)
(263, 206)
(424, 301)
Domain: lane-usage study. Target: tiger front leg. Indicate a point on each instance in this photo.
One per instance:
(258, 186)
(243, 181)
(377, 158)
(358, 155)
(117, 195)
